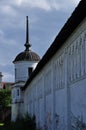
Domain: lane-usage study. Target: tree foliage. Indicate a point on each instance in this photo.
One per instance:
(5, 98)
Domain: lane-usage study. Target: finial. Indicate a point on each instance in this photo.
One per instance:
(27, 44)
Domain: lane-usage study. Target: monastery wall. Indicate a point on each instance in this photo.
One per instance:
(57, 94)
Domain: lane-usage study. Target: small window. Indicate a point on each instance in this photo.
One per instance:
(17, 92)
(15, 73)
(30, 69)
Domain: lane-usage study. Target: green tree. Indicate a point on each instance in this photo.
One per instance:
(5, 101)
(5, 97)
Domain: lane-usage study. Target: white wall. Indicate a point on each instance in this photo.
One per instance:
(17, 101)
(21, 68)
(78, 101)
(59, 90)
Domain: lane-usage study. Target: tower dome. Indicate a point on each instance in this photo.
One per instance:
(27, 55)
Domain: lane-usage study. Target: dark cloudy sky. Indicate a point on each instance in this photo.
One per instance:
(46, 18)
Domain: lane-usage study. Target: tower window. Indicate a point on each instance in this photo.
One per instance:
(30, 69)
(15, 72)
(17, 92)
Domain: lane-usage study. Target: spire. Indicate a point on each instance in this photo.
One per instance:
(27, 44)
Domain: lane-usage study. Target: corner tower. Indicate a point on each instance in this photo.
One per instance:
(24, 63)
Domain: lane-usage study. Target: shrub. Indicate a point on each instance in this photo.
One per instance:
(26, 123)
